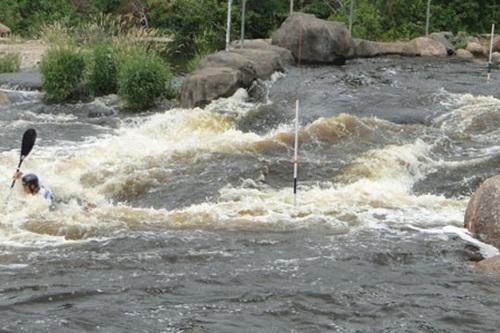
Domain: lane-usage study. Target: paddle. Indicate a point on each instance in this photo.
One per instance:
(29, 138)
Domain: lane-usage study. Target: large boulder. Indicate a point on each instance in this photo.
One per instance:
(312, 40)
(482, 216)
(267, 62)
(476, 49)
(464, 54)
(445, 38)
(361, 48)
(232, 60)
(221, 74)
(265, 44)
(428, 47)
(4, 30)
(496, 44)
(397, 48)
(495, 58)
(208, 84)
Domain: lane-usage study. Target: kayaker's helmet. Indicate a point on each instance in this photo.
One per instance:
(30, 180)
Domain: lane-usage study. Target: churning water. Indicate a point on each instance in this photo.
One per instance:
(195, 229)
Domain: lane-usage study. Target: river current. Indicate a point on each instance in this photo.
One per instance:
(196, 230)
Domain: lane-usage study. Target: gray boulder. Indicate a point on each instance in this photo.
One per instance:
(361, 48)
(464, 54)
(221, 74)
(267, 62)
(265, 44)
(232, 60)
(397, 48)
(208, 84)
(312, 40)
(496, 44)
(476, 49)
(445, 38)
(482, 216)
(427, 47)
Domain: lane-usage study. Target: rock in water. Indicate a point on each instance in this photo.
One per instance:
(482, 216)
(314, 40)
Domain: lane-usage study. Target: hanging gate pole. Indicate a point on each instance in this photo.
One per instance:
(228, 31)
(490, 63)
(242, 37)
(428, 18)
(351, 10)
(295, 154)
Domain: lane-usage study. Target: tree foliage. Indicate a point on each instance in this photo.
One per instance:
(198, 26)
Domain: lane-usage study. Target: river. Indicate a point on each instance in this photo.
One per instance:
(195, 228)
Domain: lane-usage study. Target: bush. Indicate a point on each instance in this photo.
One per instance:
(104, 69)
(9, 63)
(142, 78)
(62, 73)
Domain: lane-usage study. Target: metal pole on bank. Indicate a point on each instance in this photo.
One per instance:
(351, 10)
(242, 37)
(490, 63)
(291, 7)
(228, 31)
(428, 17)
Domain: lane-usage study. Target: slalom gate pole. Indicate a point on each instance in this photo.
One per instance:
(490, 63)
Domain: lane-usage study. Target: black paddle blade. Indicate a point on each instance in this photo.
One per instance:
(29, 139)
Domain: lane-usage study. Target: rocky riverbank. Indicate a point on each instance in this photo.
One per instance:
(314, 41)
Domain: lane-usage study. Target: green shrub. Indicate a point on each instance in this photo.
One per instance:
(142, 78)
(460, 45)
(104, 69)
(62, 73)
(9, 63)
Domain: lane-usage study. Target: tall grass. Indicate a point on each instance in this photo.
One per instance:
(62, 73)
(9, 63)
(142, 79)
(121, 58)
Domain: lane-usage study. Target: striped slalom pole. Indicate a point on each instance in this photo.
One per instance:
(491, 50)
(296, 153)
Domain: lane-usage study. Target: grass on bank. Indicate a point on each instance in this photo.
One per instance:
(62, 73)
(9, 63)
(112, 58)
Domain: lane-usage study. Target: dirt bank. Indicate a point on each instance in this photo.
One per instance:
(30, 51)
